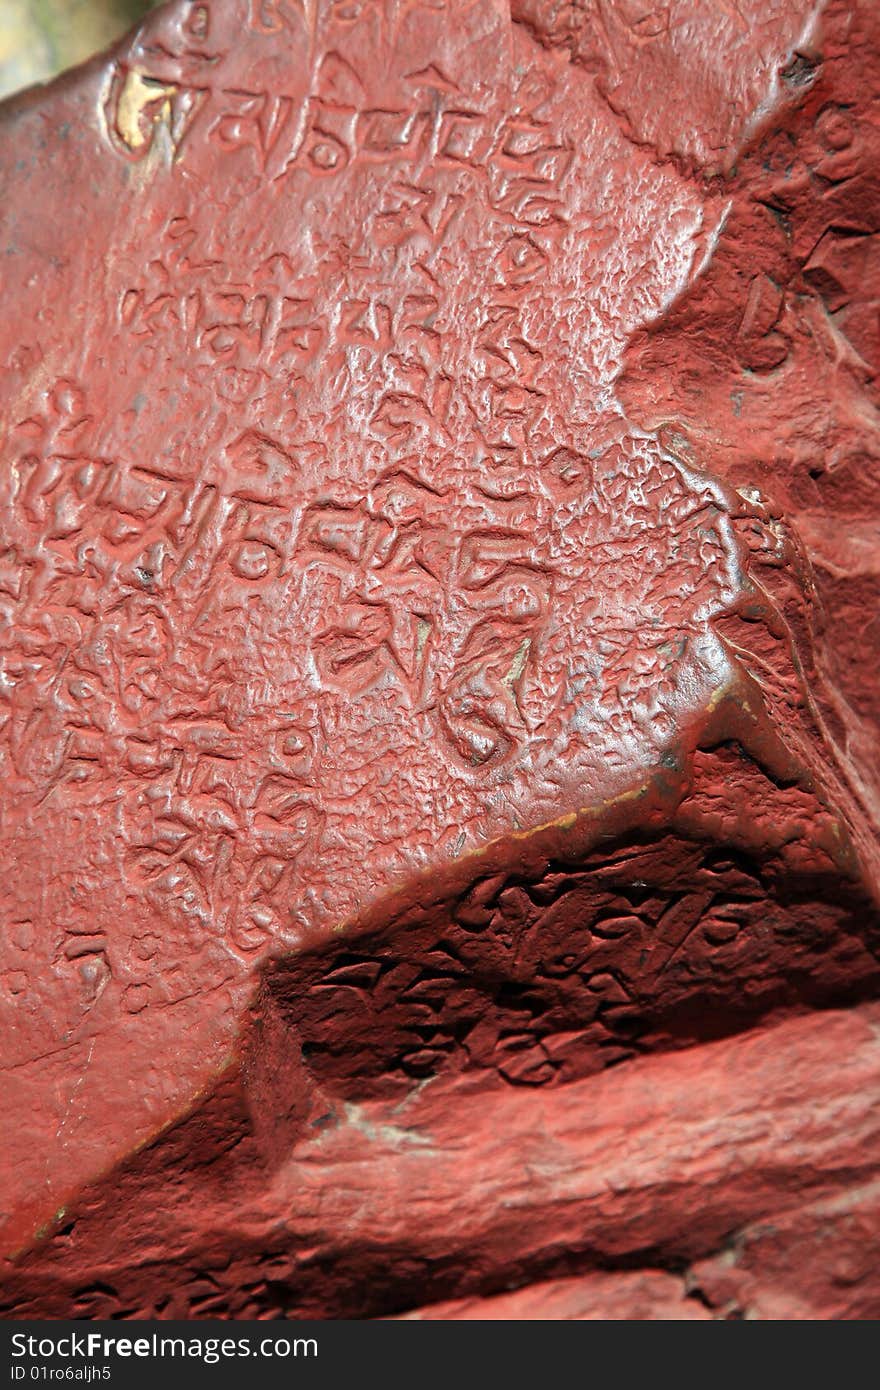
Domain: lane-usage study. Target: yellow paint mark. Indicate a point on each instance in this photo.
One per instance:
(632, 795)
(517, 666)
(138, 93)
(721, 692)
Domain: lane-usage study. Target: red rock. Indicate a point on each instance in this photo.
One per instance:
(439, 559)
(644, 1296)
(819, 1261)
(463, 1188)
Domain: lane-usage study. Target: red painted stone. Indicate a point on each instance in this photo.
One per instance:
(469, 1189)
(438, 577)
(643, 1295)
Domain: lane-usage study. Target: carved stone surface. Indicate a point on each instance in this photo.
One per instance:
(439, 566)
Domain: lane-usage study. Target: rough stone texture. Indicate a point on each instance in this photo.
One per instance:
(439, 569)
(834, 1245)
(643, 1296)
(460, 1188)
